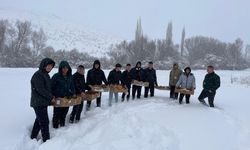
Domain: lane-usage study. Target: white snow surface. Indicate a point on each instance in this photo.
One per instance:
(63, 34)
(157, 123)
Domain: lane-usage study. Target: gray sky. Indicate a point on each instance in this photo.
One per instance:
(222, 19)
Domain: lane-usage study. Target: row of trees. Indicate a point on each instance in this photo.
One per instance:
(22, 46)
(196, 52)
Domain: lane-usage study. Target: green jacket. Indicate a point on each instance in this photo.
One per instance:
(174, 76)
(211, 82)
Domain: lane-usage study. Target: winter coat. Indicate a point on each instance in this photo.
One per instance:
(96, 76)
(211, 82)
(63, 85)
(115, 77)
(174, 76)
(186, 81)
(79, 83)
(127, 78)
(137, 73)
(41, 94)
(150, 76)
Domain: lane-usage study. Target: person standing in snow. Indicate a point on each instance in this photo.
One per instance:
(187, 81)
(151, 78)
(41, 98)
(114, 78)
(96, 76)
(127, 79)
(174, 76)
(210, 84)
(137, 74)
(80, 87)
(62, 86)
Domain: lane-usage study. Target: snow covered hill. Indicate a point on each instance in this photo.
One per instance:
(63, 34)
(148, 124)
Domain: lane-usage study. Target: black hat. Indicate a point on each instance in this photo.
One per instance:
(150, 62)
(118, 65)
(81, 66)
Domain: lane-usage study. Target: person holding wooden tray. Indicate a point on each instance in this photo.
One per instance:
(186, 81)
(114, 78)
(96, 76)
(80, 87)
(62, 86)
(137, 75)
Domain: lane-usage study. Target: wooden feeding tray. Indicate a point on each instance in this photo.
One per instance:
(140, 83)
(99, 88)
(118, 88)
(91, 95)
(162, 87)
(68, 101)
(184, 91)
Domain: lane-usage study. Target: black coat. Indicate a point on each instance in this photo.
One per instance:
(41, 94)
(115, 77)
(211, 82)
(79, 83)
(137, 74)
(150, 76)
(127, 78)
(96, 76)
(63, 85)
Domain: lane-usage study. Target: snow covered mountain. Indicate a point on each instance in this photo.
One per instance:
(63, 34)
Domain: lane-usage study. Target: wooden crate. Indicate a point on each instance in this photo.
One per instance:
(99, 88)
(66, 102)
(184, 91)
(140, 83)
(118, 88)
(91, 95)
(162, 87)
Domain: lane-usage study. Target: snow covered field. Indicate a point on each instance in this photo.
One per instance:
(147, 124)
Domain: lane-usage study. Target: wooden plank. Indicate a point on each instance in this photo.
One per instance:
(118, 88)
(66, 102)
(162, 87)
(99, 88)
(184, 91)
(140, 83)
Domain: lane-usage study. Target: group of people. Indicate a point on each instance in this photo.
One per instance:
(45, 90)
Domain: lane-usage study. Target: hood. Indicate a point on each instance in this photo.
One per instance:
(64, 64)
(187, 68)
(138, 63)
(45, 62)
(96, 62)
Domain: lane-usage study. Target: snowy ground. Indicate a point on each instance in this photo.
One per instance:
(147, 124)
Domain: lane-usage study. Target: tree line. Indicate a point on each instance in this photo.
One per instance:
(197, 51)
(23, 46)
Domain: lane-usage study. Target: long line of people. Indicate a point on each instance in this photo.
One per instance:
(64, 84)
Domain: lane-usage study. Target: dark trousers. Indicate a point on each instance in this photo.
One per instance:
(150, 88)
(187, 98)
(172, 93)
(59, 116)
(206, 94)
(128, 94)
(41, 123)
(76, 112)
(136, 89)
(98, 102)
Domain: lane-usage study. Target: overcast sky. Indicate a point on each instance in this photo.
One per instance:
(222, 19)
